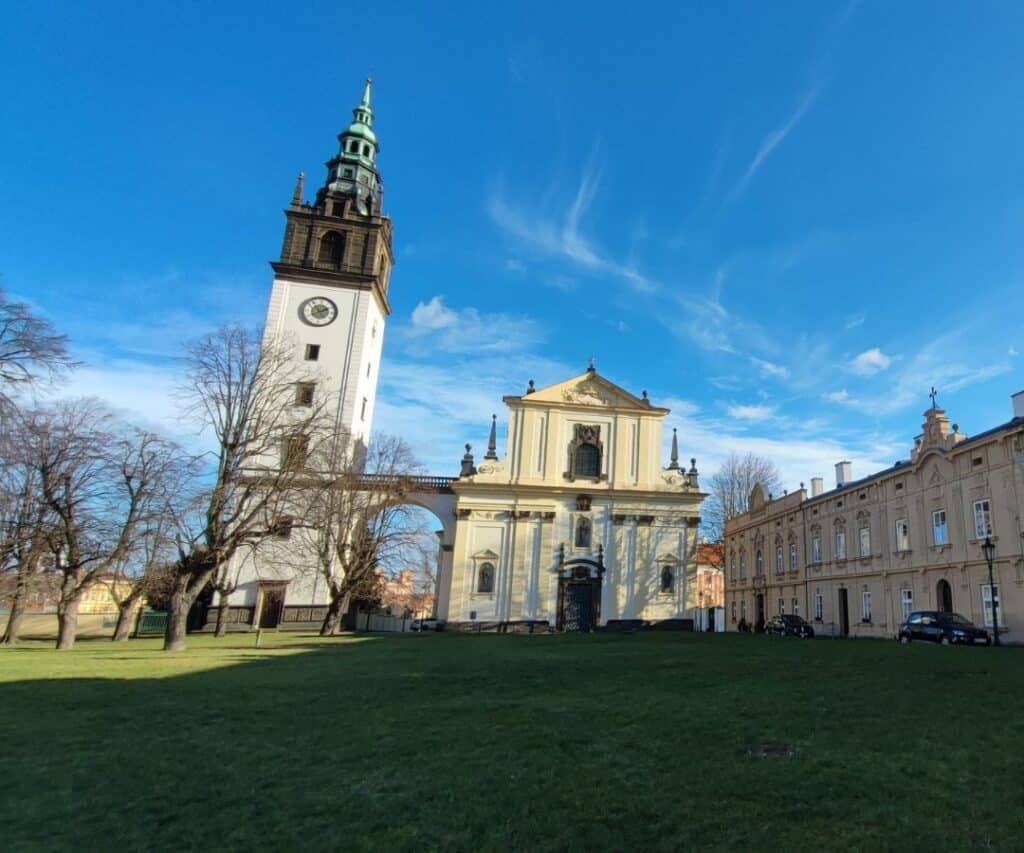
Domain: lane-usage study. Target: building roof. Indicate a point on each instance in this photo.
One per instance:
(710, 554)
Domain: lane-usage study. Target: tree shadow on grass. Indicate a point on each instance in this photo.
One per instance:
(499, 742)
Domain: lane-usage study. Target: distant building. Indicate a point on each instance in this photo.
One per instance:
(708, 572)
(857, 559)
(405, 594)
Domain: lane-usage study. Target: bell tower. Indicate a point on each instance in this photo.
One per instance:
(329, 298)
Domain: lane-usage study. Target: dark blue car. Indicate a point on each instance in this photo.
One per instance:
(936, 626)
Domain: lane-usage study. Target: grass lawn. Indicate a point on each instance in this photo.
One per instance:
(456, 742)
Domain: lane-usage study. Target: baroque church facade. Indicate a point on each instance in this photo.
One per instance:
(577, 526)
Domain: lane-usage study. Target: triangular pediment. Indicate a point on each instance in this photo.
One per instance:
(486, 554)
(589, 389)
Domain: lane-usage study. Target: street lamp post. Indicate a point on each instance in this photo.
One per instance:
(988, 548)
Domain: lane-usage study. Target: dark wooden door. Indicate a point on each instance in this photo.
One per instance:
(579, 606)
(270, 613)
(844, 614)
(945, 596)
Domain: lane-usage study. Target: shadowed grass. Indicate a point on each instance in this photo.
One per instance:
(513, 742)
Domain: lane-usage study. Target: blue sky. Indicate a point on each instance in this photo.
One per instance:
(785, 221)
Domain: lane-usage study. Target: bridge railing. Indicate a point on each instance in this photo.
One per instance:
(419, 483)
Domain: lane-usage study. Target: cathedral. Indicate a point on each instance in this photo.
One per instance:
(578, 526)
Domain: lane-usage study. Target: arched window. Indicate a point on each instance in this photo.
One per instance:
(366, 150)
(353, 146)
(485, 578)
(588, 461)
(778, 558)
(743, 564)
(332, 247)
(734, 611)
(668, 579)
(583, 533)
(759, 567)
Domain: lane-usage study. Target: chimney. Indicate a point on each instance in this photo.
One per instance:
(1018, 404)
(844, 474)
(817, 486)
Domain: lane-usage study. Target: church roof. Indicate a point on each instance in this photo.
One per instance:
(587, 389)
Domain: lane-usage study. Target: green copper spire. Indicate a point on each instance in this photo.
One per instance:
(353, 171)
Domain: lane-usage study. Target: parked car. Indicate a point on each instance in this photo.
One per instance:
(788, 625)
(939, 627)
(426, 625)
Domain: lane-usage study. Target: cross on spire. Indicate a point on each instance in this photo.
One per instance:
(934, 394)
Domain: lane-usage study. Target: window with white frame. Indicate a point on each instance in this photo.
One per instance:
(796, 607)
(734, 611)
(982, 519)
(743, 609)
(816, 549)
(759, 560)
(940, 532)
(792, 557)
(782, 607)
(743, 565)
(986, 603)
(902, 535)
(732, 565)
(778, 558)
(865, 606)
(906, 602)
(817, 606)
(865, 541)
(840, 544)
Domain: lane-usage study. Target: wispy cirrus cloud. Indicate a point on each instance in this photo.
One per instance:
(750, 412)
(898, 388)
(561, 236)
(776, 137)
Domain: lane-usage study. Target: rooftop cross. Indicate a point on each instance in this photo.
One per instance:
(934, 394)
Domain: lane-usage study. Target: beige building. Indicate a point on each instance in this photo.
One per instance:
(855, 560)
(580, 523)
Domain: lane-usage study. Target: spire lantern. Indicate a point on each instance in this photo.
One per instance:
(353, 171)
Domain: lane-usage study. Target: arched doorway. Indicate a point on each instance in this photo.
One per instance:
(579, 594)
(944, 596)
(759, 610)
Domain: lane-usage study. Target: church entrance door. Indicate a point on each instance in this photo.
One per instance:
(579, 605)
(579, 597)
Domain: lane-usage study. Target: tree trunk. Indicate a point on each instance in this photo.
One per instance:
(67, 623)
(222, 615)
(177, 616)
(126, 614)
(338, 605)
(13, 629)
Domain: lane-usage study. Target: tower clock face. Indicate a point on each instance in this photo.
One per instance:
(318, 311)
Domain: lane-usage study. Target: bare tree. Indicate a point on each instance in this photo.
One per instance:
(265, 430)
(30, 349)
(360, 525)
(24, 517)
(105, 485)
(729, 490)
